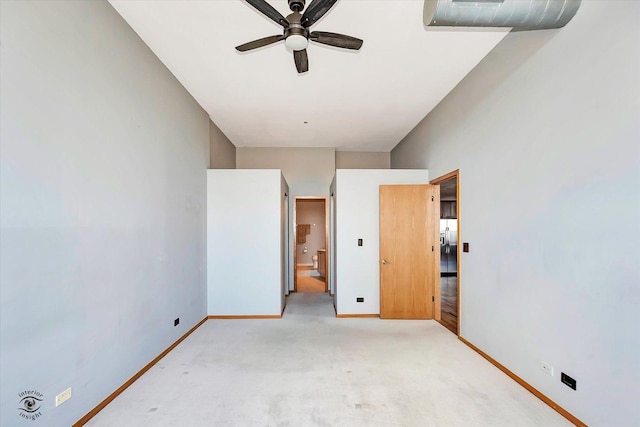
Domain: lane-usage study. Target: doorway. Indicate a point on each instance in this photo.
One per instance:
(310, 245)
(449, 250)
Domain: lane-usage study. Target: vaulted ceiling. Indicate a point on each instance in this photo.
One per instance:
(363, 101)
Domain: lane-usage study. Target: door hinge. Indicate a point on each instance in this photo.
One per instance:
(433, 299)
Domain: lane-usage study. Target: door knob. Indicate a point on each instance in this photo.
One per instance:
(384, 261)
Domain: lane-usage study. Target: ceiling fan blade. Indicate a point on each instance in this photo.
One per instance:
(335, 39)
(269, 11)
(315, 11)
(302, 60)
(259, 43)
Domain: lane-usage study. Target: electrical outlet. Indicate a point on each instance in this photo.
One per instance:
(547, 368)
(359, 299)
(568, 381)
(63, 397)
(176, 322)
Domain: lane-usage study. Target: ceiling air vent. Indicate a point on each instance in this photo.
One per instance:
(517, 14)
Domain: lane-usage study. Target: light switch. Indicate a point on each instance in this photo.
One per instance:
(359, 242)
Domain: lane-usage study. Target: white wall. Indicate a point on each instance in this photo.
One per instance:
(545, 132)
(311, 212)
(358, 217)
(308, 171)
(363, 160)
(102, 210)
(244, 242)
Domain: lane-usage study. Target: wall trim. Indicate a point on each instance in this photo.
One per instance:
(526, 385)
(445, 177)
(92, 413)
(247, 316)
(359, 316)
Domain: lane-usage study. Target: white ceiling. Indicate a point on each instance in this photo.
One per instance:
(362, 101)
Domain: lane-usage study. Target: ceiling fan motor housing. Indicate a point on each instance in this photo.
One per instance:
(296, 5)
(296, 36)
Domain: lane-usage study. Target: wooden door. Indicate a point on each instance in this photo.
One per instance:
(409, 250)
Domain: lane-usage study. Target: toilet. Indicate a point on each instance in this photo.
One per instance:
(314, 258)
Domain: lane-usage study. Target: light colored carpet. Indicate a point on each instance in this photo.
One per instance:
(312, 369)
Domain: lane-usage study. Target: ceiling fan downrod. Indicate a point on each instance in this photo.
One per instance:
(296, 5)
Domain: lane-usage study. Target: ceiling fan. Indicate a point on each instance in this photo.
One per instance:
(296, 33)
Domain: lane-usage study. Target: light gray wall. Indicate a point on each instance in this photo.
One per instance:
(331, 253)
(222, 151)
(362, 160)
(307, 170)
(546, 134)
(284, 238)
(311, 212)
(102, 212)
(244, 242)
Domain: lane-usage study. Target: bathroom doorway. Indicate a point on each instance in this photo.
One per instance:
(310, 244)
(449, 250)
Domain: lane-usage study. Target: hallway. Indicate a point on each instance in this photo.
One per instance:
(311, 369)
(308, 280)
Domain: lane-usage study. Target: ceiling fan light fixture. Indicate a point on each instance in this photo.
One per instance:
(296, 42)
